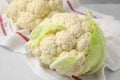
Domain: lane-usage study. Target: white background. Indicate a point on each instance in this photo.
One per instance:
(99, 1)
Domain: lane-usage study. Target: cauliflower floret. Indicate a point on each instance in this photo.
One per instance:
(13, 11)
(22, 4)
(86, 24)
(48, 46)
(71, 53)
(70, 21)
(83, 42)
(26, 17)
(36, 52)
(46, 21)
(55, 5)
(65, 40)
(66, 19)
(50, 52)
(16, 7)
(37, 10)
(46, 59)
(51, 14)
(76, 30)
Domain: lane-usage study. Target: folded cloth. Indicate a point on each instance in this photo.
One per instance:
(10, 37)
(15, 40)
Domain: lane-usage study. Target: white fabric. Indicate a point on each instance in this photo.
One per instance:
(108, 24)
(12, 41)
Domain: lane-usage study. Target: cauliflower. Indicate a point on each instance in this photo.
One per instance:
(69, 43)
(27, 14)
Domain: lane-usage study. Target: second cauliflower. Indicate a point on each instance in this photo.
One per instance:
(27, 14)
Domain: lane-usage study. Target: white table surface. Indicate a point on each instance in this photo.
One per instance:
(14, 66)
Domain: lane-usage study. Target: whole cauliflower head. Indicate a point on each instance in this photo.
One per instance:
(27, 14)
(69, 43)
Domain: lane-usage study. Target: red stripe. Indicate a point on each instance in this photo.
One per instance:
(2, 27)
(70, 5)
(23, 36)
(76, 78)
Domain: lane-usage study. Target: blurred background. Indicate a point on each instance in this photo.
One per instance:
(100, 1)
(107, 7)
(96, 1)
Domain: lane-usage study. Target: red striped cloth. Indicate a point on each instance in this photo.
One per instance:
(12, 38)
(2, 26)
(5, 32)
